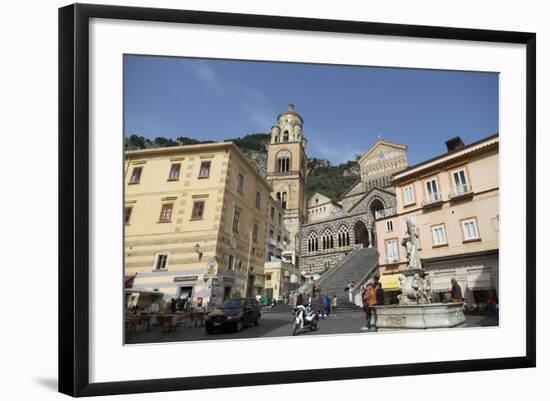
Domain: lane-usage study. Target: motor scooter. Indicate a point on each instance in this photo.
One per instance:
(304, 318)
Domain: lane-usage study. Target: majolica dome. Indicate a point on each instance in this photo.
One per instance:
(290, 112)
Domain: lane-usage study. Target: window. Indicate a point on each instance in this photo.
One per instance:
(438, 233)
(343, 236)
(136, 175)
(272, 213)
(198, 210)
(312, 243)
(391, 251)
(408, 192)
(253, 252)
(328, 239)
(255, 233)
(283, 200)
(285, 136)
(433, 194)
(161, 261)
(270, 234)
(279, 215)
(389, 226)
(174, 172)
(236, 218)
(127, 214)
(461, 185)
(166, 212)
(204, 171)
(268, 277)
(231, 264)
(278, 238)
(258, 199)
(240, 181)
(283, 165)
(469, 229)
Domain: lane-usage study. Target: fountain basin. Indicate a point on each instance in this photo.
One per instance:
(418, 316)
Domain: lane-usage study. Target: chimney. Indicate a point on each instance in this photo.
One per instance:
(454, 144)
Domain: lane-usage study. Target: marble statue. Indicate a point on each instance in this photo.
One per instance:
(410, 242)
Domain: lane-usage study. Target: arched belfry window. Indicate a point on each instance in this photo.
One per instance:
(285, 136)
(283, 161)
(282, 199)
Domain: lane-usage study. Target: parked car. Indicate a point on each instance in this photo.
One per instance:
(234, 314)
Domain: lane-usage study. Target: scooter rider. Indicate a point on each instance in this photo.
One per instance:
(302, 303)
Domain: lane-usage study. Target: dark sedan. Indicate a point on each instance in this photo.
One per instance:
(233, 314)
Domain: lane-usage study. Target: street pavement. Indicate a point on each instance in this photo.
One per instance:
(279, 325)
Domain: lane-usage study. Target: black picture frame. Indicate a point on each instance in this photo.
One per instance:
(74, 198)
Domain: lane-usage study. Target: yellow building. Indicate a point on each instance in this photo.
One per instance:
(280, 279)
(454, 201)
(195, 222)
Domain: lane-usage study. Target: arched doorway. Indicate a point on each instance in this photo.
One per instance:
(375, 205)
(361, 234)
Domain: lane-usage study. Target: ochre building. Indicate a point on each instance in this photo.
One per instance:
(195, 222)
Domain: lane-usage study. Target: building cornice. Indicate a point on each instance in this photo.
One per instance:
(484, 144)
(193, 149)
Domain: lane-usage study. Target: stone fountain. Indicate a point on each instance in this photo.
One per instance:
(415, 309)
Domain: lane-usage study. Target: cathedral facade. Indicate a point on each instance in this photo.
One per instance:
(335, 228)
(322, 230)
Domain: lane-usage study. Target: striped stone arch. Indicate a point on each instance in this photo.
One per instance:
(339, 225)
(359, 231)
(376, 198)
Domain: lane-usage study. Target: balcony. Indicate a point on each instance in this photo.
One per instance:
(392, 260)
(433, 199)
(381, 214)
(272, 241)
(461, 191)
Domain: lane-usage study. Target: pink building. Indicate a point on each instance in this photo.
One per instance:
(454, 201)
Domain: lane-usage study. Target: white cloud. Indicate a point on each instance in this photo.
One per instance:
(255, 105)
(205, 73)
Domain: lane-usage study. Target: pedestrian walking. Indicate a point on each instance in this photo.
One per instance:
(351, 288)
(369, 300)
(334, 304)
(326, 305)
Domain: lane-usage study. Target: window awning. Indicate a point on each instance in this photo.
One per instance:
(390, 282)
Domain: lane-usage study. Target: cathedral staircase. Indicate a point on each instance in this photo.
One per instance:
(356, 266)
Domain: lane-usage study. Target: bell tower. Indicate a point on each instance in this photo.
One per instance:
(286, 170)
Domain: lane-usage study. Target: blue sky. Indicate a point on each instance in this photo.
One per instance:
(344, 108)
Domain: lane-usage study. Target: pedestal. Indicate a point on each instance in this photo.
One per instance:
(418, 317)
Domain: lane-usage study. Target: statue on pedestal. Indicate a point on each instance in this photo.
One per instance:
(410, 242)
(415, 288)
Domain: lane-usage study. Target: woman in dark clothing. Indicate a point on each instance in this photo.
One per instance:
(379, 294)
(456, 292)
